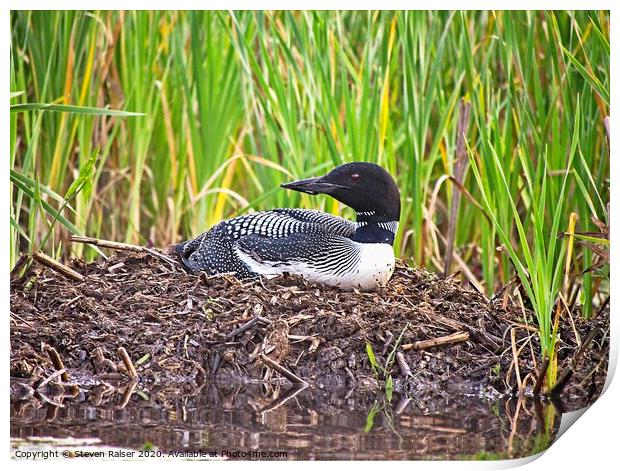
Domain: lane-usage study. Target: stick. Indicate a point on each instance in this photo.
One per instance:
(163, 257)
(485, 339)
(110, 244)
(460, 165)
(541, 376)
(131, 370)
(57, 266)
(248, 325)
(567, 372)
(603, 306)
(479, 336)
(515, 357)
(127, 394)
(51, 377)
(445, 340)
(402, 405)
(57, 362)
(402, 364)
(290, 394)
(280, 369)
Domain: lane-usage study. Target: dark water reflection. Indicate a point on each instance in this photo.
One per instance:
(306, 424)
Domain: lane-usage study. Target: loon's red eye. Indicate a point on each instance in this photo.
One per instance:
(355, 177)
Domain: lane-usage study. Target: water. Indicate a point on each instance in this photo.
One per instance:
(240, 422)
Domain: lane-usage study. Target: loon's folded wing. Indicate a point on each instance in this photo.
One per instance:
(324, 252)
(329, 223)
(214, 251)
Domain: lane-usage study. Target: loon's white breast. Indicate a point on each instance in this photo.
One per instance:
(372, 269)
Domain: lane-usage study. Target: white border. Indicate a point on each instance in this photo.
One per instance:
(306, 5)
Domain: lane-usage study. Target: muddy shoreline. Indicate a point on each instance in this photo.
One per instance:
(433, 336)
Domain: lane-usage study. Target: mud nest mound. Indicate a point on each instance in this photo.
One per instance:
(431, 335)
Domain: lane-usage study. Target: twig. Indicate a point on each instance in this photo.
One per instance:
(389, 336)
(445, 340)
(529, 328)
(484, 338)
(463, 266)
(603, 306)
(51, 377)
(280, 369)
(163, 257)
(215, 364)
(402, 405)
(57, 362)
(51, 415)
(402, 364)
(12, 314)
(57, 266)
(248, 325)
(515, 358)
(460, 165)
(290, 394)
(127, 394)
(452, 323)
(489, 341)
(110, 244)
(131, 370)
(561, 383)
(513, 428)
(541, 376)
(567, 371)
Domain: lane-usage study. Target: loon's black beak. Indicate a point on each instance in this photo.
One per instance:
(313, 186)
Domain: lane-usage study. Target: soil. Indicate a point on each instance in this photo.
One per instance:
(190, 329)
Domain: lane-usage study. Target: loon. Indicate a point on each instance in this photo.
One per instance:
(316, 245)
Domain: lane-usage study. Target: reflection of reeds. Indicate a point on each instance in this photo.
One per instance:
(295, 421)
(234, 103)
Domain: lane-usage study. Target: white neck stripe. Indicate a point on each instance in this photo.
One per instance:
(391, 226)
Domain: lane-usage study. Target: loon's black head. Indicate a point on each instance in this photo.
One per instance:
(365, 187)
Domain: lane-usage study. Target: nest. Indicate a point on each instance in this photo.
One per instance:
(142, 317)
